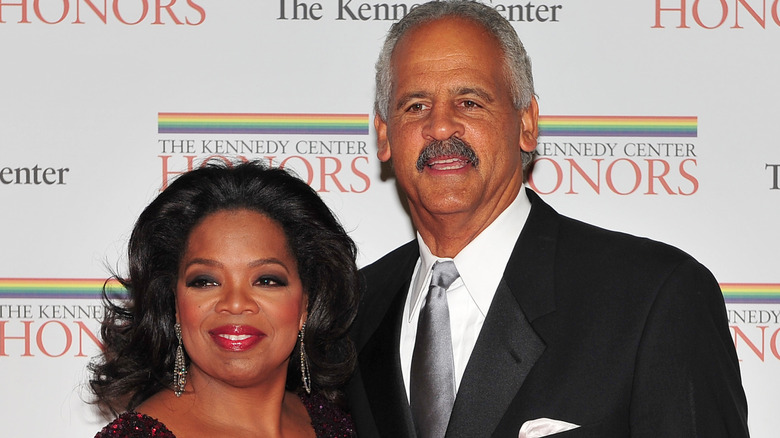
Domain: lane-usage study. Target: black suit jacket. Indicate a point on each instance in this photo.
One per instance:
(621, 335)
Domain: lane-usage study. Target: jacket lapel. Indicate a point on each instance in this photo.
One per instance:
(380, 367)
(508, 345)
(506, 350)
(379, 361)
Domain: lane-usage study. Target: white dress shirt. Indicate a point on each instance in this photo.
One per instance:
(481, 265)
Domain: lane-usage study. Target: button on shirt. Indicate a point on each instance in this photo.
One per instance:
(481, 265)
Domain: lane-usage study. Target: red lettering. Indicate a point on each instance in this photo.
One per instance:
(25, 338)
(558, 174)
(65, 9)
(623, 176)
(119, 17)
(360, 175)
(82, 330)
(324, 173)
(775, 15)
(47, 10)
(773, 344)
(201, 12)
(724, 14)
(102, 15)
(739, 334)
(46, 339)
(23, 5)
(637, 176)
(689, 177)
(652, 176)
(595, 185)
(309, 169)
(759, 19)
(717, 12)
(659, 9)
(167, 174)
(158, 9)
(65, 330)
(328, 171)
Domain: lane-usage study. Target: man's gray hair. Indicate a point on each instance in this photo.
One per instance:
(516, 60)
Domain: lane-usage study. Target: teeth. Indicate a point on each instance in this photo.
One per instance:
(235, 337)
(449, 160)
(447, 164)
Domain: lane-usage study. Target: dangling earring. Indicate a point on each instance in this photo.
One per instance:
(179, 367)
(305, 374)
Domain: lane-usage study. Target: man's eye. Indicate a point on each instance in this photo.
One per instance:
(470, 104)
(416, 107)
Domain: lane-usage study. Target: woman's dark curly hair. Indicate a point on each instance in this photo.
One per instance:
(138, 334)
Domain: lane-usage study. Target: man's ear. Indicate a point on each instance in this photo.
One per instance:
(529, 120)
(382, 144)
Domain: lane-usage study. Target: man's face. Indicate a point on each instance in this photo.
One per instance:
(452, 132)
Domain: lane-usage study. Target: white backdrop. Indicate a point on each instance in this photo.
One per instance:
(88, 89)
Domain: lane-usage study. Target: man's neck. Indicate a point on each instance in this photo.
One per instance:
(447, 234)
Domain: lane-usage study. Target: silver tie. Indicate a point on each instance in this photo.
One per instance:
(432, 378)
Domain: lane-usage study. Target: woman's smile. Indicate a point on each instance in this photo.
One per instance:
(236, 338)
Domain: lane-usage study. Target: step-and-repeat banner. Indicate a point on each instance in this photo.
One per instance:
(658, 118)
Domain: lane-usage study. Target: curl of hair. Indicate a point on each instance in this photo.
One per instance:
(138, 334)
(516, 61)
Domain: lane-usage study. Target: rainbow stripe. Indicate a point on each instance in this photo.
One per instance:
(63, 288)
(618, 126)
(733, 293)
(357, 124)
(751, 293)
(227, 123)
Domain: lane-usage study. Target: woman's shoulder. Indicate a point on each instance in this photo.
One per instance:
(328, 420)
(135, 425)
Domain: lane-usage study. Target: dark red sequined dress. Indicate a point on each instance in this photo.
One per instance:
(328, 421)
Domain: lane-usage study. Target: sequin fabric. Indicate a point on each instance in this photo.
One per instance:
(135, 425)
(328, 421)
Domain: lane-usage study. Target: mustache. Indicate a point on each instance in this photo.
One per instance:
(449, 147)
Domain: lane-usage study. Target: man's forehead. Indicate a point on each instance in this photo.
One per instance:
(448, 54)
(434, 27)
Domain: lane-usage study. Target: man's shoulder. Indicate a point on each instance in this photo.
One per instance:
(579, 238)
(394, 261)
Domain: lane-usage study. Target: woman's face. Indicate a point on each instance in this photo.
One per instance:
(239, 299)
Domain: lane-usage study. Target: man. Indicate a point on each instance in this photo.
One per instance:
(547, 324)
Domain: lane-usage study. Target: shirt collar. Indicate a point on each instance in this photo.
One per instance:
(482, 262)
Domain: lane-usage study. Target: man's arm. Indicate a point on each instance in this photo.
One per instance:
(687, 379)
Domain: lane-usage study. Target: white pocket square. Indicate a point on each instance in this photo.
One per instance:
(543, 427)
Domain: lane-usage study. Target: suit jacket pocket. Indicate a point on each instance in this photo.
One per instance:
(607, 428)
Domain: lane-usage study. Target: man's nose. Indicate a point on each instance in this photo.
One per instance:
(443, 122)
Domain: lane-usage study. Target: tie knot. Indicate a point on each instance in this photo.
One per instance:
(444, 274)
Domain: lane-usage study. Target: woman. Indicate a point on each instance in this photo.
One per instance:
(242, 286)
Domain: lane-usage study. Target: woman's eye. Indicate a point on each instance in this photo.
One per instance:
(270, 280)
(202, 282)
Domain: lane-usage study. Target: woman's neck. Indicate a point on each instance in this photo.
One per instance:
(211, 408)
